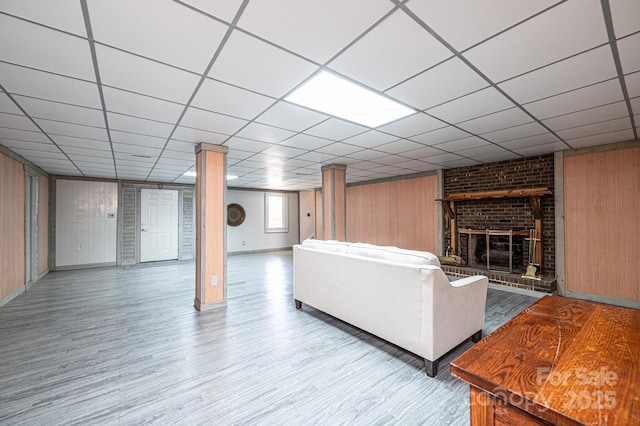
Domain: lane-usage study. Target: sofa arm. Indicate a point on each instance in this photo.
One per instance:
(455, 312)
(468, 280)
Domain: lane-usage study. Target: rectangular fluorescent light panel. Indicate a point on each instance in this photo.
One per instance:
(336, 96)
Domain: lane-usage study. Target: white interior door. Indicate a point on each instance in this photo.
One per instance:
(158, 225)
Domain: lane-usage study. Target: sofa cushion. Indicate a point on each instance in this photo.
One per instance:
(394, 254)
(327, 245)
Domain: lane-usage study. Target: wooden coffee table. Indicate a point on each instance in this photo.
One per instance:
(561, 361)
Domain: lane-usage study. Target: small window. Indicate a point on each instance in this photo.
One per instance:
(276, 213)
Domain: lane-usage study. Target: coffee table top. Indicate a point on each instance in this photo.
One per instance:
(566, 361)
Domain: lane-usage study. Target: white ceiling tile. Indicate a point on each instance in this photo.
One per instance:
(68, 129)
(460, 163)
(128, 103)
(633, 84)
(338, 148)
(96, 149)
(308, 142)
(44, 49)
(516, 132)
(387, 55)
(127, 123)
(609, 126)
(283, 151)
(442, 158)
(578, 71)
(605, 138)
(187, 134)
(225, 10)
(398, 147)
(581, 118)
(367, 154)
(172, 152)
(412, 125)
(498, 156)
(303, 26)
(181, 146)
(635, 106)
(389, 159)
(336, 129)
(463, 23)
(625, 16)
(255, 65)
(65, 15)
(7, 105)
(628, 50)
(235, 154)
(422, 153)
(530, 141)
(415, 165)
(165, 31)
(371, 139)
(547, 38)
(541, 149)
(23, 135)
(263, 133)
(126, 71)
(588, 97)
(482, 102)
(247, 144)
(445, 134)
(129, 156)
(32, 146)
(442, 83)
(317, 157)
(136, 150)
(17, 121)
(137, 139)
(462, 144)
(211, 121)
(496, 121)
(79, 142)
(39, 108)
(226, 99)
(483, 150)
(292, 117)
(25, 81)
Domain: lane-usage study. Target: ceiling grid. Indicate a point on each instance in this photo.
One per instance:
(125, 90)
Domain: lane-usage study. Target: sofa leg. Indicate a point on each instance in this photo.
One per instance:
(298, 304)
(431, 367)
(475, 338)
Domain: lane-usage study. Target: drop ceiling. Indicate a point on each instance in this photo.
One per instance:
(126, 89)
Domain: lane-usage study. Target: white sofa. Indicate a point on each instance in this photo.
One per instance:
(401, 296)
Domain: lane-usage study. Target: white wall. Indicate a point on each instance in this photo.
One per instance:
(250, 235)
(86, 222)
(307, 214)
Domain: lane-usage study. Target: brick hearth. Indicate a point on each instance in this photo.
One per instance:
(546, 284)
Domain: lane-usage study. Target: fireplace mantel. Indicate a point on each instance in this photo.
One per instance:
(534, 196)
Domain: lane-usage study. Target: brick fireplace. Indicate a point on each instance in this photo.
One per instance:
(502, 224)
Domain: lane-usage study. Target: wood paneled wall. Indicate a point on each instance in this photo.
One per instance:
(401, 213)
(602, 226)
(12, 203)
(43, 224)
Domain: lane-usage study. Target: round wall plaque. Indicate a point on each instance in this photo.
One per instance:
(235, 215)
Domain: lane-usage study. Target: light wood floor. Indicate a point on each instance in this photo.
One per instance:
(114, 346)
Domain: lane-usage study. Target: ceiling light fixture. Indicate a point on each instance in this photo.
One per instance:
(328, 93)
(190, 173)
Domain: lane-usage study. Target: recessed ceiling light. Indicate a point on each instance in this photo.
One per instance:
(336, 96)
(190, 173)
(231, 177)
